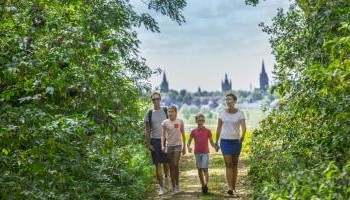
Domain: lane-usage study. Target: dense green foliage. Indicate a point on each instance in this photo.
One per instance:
(70, 106)
(302, 149)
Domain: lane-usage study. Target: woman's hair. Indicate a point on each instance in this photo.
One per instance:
(234, 97)
(173, 107)
(198, 115)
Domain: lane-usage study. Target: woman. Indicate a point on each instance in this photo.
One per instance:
(231, 129)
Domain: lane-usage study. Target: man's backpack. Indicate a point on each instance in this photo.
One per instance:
(165, 109)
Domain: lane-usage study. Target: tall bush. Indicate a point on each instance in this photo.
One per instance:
(302, 149)
(70, 107)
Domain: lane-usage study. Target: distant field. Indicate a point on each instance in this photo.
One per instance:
(253, 117)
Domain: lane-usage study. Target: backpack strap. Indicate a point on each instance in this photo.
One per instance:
(149, 114)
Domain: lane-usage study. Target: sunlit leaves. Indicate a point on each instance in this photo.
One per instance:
(306, 140)
(70, 105)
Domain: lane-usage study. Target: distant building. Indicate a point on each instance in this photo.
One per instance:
(164, 86)
(264, 80)
(226, 85)
(199, 91)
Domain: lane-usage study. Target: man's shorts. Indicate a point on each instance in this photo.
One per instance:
(202, 160)
(171, 149)
(157, 155)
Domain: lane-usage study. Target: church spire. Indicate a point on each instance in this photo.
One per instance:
(164, 86)
(264, 80)
(226, 85)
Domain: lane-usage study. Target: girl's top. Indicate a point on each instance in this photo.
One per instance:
(173, 133)
(231, 124)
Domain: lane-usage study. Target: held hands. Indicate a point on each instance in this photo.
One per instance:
(189, 149)
(183, 150)
(216, 146)
(163, 149)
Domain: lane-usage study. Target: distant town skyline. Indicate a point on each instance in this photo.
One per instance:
(219, 37)
(226, 84)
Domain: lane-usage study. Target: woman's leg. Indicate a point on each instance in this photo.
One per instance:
(234, 170)
(229, 170)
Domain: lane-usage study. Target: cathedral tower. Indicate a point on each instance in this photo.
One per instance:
(264, 80)
(226, 85)
(164, 86)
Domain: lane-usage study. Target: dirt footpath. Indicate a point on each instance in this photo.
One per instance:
(190, 185)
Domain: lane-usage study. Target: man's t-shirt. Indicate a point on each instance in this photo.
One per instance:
(158, 116)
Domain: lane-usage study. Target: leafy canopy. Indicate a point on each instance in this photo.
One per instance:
(70, 109)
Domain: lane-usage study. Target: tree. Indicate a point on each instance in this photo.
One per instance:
(70, 105)
(303, 146)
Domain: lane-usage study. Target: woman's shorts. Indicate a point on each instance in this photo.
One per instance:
(158, 156)
(202, 160)
(230, 147)
(172, 149)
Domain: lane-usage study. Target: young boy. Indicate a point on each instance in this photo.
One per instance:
(201, 135)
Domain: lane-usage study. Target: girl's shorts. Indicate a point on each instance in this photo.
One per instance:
(171, 149)
(230, 147)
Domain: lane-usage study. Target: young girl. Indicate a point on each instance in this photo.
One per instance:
(173, 143)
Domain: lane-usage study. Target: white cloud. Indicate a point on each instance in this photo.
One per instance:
(220, 36)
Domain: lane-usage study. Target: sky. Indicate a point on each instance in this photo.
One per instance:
(219, 36)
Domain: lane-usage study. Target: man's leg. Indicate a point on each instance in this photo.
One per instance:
(159, 174)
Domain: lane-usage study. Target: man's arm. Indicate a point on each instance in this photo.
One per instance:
(148, 136)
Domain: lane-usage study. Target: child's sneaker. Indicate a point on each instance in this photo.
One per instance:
(205, 189)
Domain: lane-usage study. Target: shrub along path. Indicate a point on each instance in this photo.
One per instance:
(190, 185)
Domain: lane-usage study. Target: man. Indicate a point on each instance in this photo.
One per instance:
(153, 131)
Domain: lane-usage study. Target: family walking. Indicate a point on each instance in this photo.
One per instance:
(165, 138)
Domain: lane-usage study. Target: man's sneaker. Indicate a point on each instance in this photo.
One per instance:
(161, 191)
